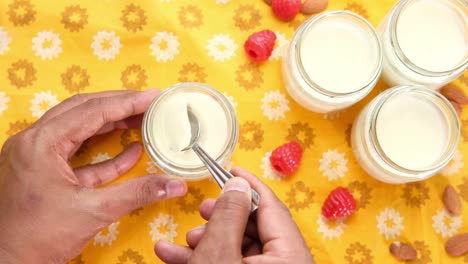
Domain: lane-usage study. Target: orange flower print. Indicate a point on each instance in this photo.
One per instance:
(22, 73)
(130, 135)
(133, 18)
(250, 135)
(21, 12)
(464, 189)
(415, 194)
(75, 79)
(133, 77)
(249, 76)
(424, 253)
(247, 17)
(190, 16)
(17, 127)
(361, 193)
(191, 202)
(74, 18)
(464, 130)
(131, 256)
(302, 133)
(299, 196)
(348, 134)
(358, 9)
(357, 253)
(192, 72)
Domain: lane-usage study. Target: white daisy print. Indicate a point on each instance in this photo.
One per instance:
(42, 102)
(274, 105)
(231, 100)
(333, 165)
(329, 232)
(268, 171)
(390, 223)
(107, 236)
(106, 45)
(222, 2)
(163, 227)
(221, 47)
(100, 157)
(5, 41)
(281, 44)
(4, 100)
(445, 224)
(454, 166)
(151, 167)
(164, 46)
(47, 45)
(333, 115)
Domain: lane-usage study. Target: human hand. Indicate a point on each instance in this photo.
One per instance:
(49, 211)
(231, 237)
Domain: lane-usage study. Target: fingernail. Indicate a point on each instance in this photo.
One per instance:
(236, 184)
(176, 188)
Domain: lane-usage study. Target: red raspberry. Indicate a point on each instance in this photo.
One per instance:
(286, 158)
(340, 202)
(286, 9)
(259, 45)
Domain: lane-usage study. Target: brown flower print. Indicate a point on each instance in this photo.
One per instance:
(75, 79)
(299, 196)
(136, 212)
(191, 202)
(249, 76)
(464, 189)
(190, 16)
(133, 77)
(131, 256)
(358, 9)
(74, 18)
(250, 135)
(424, 253)
(348, 134)
(464, 130)
(77, 260)
(247, 17)
(302, 133)
(21, 12)
(358, 253)
(415, 194)
(130, 135)
(22, 73)
(133, 18)
(361, 192)
(192, 72)
(298, 21)
(17, 127)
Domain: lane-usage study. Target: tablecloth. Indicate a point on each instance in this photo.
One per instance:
(50, 50)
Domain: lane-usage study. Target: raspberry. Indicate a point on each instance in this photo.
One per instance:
(286, 9)
(340, 202)
(286, 158)
(260, 44)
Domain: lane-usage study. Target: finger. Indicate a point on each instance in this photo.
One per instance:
(194, 236)
(252, 249)
(95, 175)
(171, 253)
(130, 122)
(121, 198)
(230, 216)
(71, 128)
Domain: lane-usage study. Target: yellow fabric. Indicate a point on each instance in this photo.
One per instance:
(29, 83)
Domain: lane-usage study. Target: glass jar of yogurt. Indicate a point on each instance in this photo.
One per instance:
(166, 129)
(425, 42)
(406, 134)
(333, 61)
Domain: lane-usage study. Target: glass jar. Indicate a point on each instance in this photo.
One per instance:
(425, 42)
(166, 129)
(334, 60)
(406, 134)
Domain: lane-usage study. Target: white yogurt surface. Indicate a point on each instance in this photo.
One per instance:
(431, 34)
(339, 55)
(412, 131)
(171, 128)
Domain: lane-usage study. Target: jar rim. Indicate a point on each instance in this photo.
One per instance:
(173, 168)
(306, 26)
(393, 24)
(444, 105)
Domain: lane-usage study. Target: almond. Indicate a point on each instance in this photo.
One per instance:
(403, 251)
(313, 6)
(454, 94)
(457, 106)
(457, 245)
(451, 200)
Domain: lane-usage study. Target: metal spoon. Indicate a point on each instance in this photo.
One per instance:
(220, 175)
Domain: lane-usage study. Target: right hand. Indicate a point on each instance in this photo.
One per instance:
(230, 236)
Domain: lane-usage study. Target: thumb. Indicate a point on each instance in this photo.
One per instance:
(226, 227)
